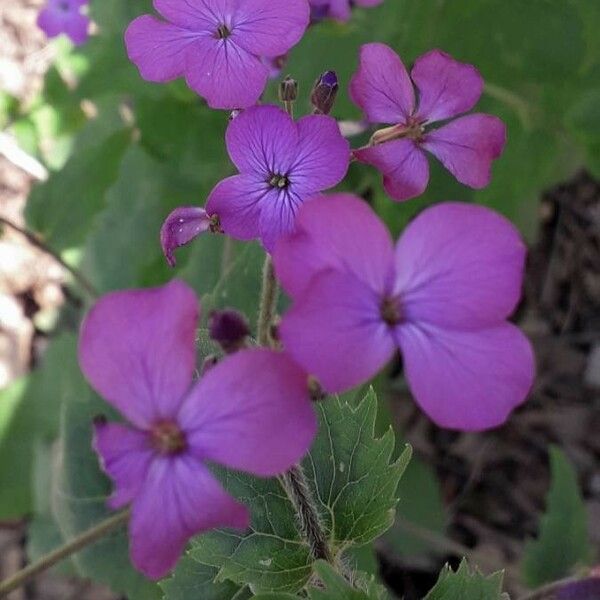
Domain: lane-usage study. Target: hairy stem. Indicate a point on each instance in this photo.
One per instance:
(298, 490)
(35, 241)
(49, 560)
(268, 303)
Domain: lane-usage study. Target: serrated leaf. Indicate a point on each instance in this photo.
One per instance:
(354, 485)
(466, 584)
(563, 539)
(336, 587)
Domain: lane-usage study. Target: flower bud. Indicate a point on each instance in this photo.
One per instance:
(324, 93)
(288, 90)
(229, 329)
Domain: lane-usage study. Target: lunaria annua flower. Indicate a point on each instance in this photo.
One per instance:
(282, 162)
(340, 10)
(466, 146)
(251, 412)
(442, 296)
(217, 45)
(65, 16)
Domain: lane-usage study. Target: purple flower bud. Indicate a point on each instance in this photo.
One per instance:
(324, 93)
(229, 329)
(288, 90)
(182, 226)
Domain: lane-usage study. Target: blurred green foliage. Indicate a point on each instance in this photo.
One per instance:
(123, 152)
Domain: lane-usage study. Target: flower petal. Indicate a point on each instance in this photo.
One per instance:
(158, 49)
(203, 15)
(237, 202)
(467, 146)
(225, 74)
(180, 498)
(262, 140)
(335, 331)
(381, 87)
(137, 349)
(460, 266)
(270, 27)
(181, 226)
(251, 412)
(446, 86)
(404, 167)
(338, 232)
(323, 155)
(51, 22)
(467, 380)
(125, 455)
(76, 27)
(278, 211)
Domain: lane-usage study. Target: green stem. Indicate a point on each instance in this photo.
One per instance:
(268, 303)
(75, 545)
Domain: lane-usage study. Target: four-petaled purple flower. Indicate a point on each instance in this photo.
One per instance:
(281, 164)
(217, 45)
(442, 296)
(251, 412)
(65, 16)
(340, 10)
(446, 88)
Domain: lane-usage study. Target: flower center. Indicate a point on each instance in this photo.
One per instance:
(279, 181)
(167, 438)
(222, 32)
(390, 311)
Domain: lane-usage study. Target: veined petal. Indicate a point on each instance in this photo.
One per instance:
(323, 155)
(137, 349)
(278, 211)
(158, 49)
(262, 140)
(335, 331)
(467, 380)
(200, 15)
(181, 226)
(339, 232)
(179, 499)
(252, 412)
(270, 27)
(447, 87)
(459, 266)
(223, 73)
(381, 87)
(404, 167)
(237, 202)
(125, 455)
(467, 146)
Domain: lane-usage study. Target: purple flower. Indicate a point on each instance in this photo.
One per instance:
(340, 9)
(217, 45)
(442, 296)
(251, 412)
(64, 16)
(281, 164)
(446, 88)
(183, 225)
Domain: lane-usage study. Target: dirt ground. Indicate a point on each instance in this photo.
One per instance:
(495, 484)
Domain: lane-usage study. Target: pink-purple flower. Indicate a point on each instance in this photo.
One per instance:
(65, 16)
(282, 163)
(217, 45)
(446, 88)
(441, 295)
(251, 412)
(341, 10)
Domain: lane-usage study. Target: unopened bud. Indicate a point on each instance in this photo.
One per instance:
(288, 90)
(229, 329)
(324, 93)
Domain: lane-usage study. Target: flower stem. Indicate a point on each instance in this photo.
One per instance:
(49, 560)
(298, 490)
(268, 303)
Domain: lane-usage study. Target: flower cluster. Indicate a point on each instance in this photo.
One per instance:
(65, 16)
(442, 295)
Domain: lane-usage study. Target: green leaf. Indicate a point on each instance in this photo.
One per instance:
(583, 117)
(354, 484)
(337, 587)
(192, 579)
(467, 584)
(563, 539)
